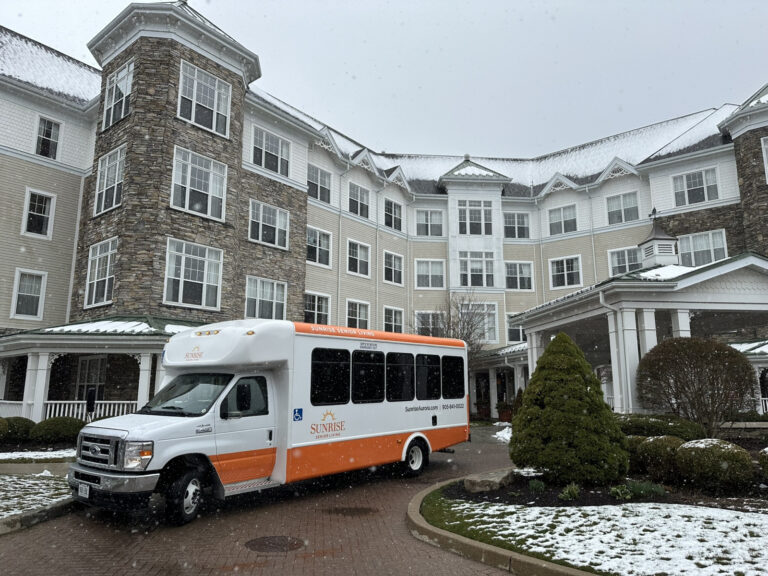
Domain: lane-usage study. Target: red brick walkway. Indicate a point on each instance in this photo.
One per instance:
(349, 524)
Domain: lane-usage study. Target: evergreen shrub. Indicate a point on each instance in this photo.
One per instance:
(762, 459)
(715, 466)
(56, 430)
(636, 464)
(660, 425)
(3, 429)
(564, 428)
(658, 457)
(18, 429)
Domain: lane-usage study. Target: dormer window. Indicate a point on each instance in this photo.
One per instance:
(204, 99)
(117, 98)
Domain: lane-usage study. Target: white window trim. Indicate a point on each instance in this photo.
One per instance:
(384, 269)
(330, 184)
(504, 225)
(561, 208)
(569, 286)
(14, 299)
(402, 215)
(533, 274)
(416, 274)
(370, 265)
(165, 278)
(191, 121)
(88, 276)
(264, 169)
(127, 96)
(429, 226)
(322, 295)
(258, 280)
(623, 249)
(328, 266)
(349, 196)
(173, 186)
(416, 317)
(287, 246)
(468, 221)
(384, 318)
(485, 306)
(59, 141)
(507, 331)
(623, 208)
(27, 198)
(709, 234)
(355, 301)
(484, 260)
(98, 180)
(694, 206)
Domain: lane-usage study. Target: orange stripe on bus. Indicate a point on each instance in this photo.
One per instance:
(333, 457)
(242, 466)
(343, 332)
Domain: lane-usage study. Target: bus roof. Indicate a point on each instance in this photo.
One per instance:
(344, 332)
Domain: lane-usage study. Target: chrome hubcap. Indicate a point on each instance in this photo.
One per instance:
(192, 496)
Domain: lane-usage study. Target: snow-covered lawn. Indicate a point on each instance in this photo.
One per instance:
(631, 539)
(45, 455)
(22, 493)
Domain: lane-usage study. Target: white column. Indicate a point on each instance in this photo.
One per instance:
(5, 366)
(145, 371)
(614, 337)
(42, 379)
(472, 394)
(647, 331)
(534, 350)
(493, 391)
(631, 358)
(681, 324)
(29, 385)
(159, 374)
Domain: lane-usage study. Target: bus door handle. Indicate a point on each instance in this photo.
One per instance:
(269, 437)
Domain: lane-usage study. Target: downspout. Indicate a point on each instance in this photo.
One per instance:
(541, 257)
(339, 262)
(592, 235)
(74, 250)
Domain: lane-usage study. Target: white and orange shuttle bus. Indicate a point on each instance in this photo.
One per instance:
(252, 404)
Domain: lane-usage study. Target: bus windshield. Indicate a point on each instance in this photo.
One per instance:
(188, 395)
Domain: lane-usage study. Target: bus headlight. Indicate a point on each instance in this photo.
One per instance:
(137, 455)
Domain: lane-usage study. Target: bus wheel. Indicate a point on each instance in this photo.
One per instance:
(416, 458)
(184, 498)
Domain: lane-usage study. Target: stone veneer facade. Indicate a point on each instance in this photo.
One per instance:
(751, 169)
(145, 219)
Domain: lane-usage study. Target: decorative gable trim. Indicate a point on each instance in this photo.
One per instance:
(469, 171)
(364, 159)
(397, 177)
(558, 183)
(328, 142)
(616, 169)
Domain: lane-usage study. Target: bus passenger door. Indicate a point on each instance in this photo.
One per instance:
(245, 432)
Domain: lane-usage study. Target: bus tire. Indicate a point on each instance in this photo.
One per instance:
(184, 497)
(416, 458)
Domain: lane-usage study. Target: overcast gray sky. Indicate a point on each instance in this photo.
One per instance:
(490, 78)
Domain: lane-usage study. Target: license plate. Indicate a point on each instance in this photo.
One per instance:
(83, 490)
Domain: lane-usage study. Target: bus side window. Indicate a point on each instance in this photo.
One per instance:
(427, 377)
(453, 377)
(400, 379)
(247, 398)
(367, 377)
(329, 383)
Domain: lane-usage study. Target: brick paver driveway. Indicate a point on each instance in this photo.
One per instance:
(347, 524)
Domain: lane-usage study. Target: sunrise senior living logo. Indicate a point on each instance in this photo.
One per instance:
(194, 354)
(328, 427)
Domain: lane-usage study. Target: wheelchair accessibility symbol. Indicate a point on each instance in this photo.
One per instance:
(298, 414)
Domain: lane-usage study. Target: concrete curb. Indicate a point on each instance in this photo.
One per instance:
(478, 551)
(30, 518)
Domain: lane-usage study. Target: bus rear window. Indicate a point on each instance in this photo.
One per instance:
(367, 377)
(400, 381)
(427, 377)
(330, 377)
(453, 377)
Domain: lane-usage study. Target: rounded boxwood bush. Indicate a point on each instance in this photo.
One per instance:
(762, 458)
(18, 429)
(715, 466)
(658, 455)
(3, 429)
(55, 430)
(660, 425)
(636, 465)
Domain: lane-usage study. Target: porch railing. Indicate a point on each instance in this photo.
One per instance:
(77, 409)
(609, 400)
(9, 409)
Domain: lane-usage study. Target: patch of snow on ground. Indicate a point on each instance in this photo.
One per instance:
(28, 492)
(631, 539)
(38, 455)
(504, 435)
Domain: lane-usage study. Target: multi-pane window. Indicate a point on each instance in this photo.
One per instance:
(101, 273)
(515, 332)
(519, 275)
(192, 275)
(204, 99)
(430, 274)
(482, 315)
(476, 269)
(695, 187)
(429, 222)
(318, 247)
(317, 308)
(270, 151)
(429, 324)
(359, 200)
(47, 138)
(91, 375)
(562, 220)
(264, 298)
(475, 217)
(199, 184)
(622, 208)
(700, 249)
(28, 294)
(565, 272)
(393, 215)
(268, 225)
(319, 183)
(516, 225)
(393, 319)
(625, 260)
(109, 186)
(393, 268)
(357, 314)
(38, 212)
(358, 258)
(117, 99)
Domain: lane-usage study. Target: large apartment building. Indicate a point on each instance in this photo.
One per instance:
(166, 190)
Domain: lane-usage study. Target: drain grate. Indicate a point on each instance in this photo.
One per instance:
(351, 511)
(274, 544)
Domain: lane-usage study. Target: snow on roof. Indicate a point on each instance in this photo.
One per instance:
(752, 347)
(669, 272)
(473, 170)
(118, 327)
(33, 63)
(287, 108)
(698, 133)
(520, 347)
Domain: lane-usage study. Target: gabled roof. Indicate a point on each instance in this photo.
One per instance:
(557, 183)
(471, 171)
(397, 177)
(704, 135)
(616, 169)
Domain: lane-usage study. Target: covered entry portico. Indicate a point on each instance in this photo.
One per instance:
(616, 322)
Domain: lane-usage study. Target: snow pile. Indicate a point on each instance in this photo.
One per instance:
(636, 539)
(505, 434)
